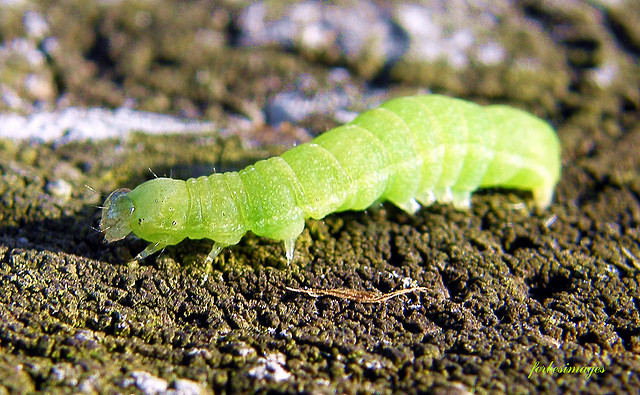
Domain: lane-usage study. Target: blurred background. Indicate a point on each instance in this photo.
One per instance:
(286, 61)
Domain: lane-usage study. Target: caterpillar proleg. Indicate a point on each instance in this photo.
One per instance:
(411, 151)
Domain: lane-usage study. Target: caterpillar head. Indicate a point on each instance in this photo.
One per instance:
(116, 215)
(155, 211)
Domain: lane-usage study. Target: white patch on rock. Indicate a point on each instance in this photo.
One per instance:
(271, 368)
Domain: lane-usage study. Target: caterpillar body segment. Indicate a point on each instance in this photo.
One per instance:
(409, 151)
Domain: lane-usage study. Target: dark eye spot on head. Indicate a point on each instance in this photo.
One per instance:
(174, 223)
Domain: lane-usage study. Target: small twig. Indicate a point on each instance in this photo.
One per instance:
(550, 221)
(354, 295)
(634, 260)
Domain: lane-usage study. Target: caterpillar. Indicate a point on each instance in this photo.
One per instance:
(411, 151)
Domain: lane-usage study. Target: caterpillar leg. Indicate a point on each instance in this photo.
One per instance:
(543, 195)
(215, 250)
(461, 200)
(150, 250)
(443, 195)
(427, 198)
(410, 206)
(289, 247)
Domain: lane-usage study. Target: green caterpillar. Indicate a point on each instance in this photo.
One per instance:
(412, 149)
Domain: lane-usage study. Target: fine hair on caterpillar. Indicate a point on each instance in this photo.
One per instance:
(411, 151)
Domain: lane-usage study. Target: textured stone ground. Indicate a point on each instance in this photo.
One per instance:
(509, 287)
